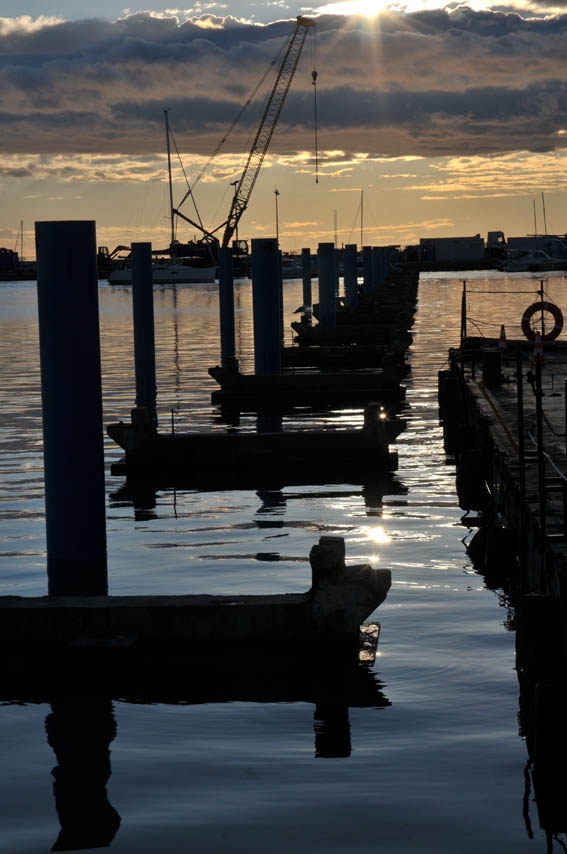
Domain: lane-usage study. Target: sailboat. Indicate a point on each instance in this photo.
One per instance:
(174, 265)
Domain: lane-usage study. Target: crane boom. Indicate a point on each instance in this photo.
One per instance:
(267, 126)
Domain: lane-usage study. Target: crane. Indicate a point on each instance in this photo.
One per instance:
(245, 184)
(267, 126)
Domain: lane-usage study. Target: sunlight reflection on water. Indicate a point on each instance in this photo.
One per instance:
(439, 768)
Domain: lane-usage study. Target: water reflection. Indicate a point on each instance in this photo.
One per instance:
(540, 665)
(79, 733)
(142, 492)
(80, 730)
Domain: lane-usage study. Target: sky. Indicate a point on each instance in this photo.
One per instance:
(432, 120)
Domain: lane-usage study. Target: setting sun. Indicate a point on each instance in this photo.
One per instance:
(367, 8)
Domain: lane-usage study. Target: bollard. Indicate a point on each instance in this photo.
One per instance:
(73, 450)
(144, 333)
(327, 284)
(266, 306)
(226, 306)
(350, 275)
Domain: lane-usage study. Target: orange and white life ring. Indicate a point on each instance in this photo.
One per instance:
(552, 333)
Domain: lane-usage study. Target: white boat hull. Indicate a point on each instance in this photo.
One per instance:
(167, 275)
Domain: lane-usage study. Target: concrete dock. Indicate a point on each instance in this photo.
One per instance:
(504, 413)
(68, 632)
(510, 442)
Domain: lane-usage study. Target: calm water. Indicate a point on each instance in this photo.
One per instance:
(436, 764)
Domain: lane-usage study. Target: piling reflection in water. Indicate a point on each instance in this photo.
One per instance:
(80, 733)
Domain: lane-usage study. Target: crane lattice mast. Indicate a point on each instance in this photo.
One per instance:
(267, 126)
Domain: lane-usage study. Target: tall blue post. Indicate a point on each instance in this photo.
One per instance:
(350, 275)
(266, 306)
(71, 389)
(366, 269)
(327, 284)
(307, 296)
(378, 266)
(388, 252)
(226, 305)
(144, 331)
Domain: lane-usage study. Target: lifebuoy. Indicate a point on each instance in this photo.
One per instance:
(553, 309)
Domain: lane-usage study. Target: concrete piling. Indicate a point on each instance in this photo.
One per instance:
(144, 333)
(350, 275)
(307, 295)
(67, 287)
(226, 305)
(267, 302)
(327, 284)
(367, 269)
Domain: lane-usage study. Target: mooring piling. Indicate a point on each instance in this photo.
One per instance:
(71, 390)
(307, 295)
(350, 275)
(366, 269)
(144, 332)
(267, 305)
(327, 284)
(226, 306)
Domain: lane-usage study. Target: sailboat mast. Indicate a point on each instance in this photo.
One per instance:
(168, 147)
(361, 218)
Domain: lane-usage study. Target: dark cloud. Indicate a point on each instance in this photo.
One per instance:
(430, 83)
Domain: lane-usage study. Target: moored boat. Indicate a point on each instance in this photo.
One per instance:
(166, 274)
(532, 261)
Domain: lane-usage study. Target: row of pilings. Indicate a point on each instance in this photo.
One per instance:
(70, 365)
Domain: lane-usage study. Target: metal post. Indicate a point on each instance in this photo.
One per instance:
(71, 388)
(520, 418)
(463, 322)
(226, 308)
(266, 306)
(541, 474)
(327, 277)
(521, 461)
(144, 337)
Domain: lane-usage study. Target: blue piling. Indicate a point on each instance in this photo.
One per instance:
(307, 295)
(144, 332)
(267, 302)
(378, 275)
(327, 284)
(71, 388)
(226, 306)
(350, 275)
(366, 269)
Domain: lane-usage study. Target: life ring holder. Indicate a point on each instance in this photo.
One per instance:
(553, 309)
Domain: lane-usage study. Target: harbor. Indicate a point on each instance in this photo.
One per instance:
(167, 537)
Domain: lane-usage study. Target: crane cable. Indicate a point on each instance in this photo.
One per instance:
(314, 84)
(222, 141)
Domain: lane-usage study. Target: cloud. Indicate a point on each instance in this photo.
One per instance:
(425, 84)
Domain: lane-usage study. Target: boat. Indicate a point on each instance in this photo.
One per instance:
(291, 266)
(532, 261)
(165, 272)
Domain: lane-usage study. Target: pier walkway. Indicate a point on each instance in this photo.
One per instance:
(504, 414)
